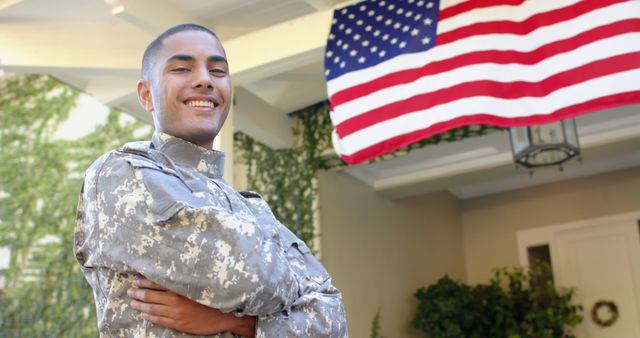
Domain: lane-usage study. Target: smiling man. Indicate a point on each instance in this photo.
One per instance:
(215, 261)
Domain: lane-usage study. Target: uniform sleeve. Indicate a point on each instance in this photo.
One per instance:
(150, 223)
(319, 312)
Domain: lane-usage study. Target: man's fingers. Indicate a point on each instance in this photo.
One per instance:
(152, 296)
(160, 320)
(151, 308)
(142, 282)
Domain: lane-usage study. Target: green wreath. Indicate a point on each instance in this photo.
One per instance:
(613, 310)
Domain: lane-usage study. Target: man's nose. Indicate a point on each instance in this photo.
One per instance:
(202, 79)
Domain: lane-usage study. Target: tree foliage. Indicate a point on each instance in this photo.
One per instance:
(45, 294)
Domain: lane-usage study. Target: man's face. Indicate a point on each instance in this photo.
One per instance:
(189, 90)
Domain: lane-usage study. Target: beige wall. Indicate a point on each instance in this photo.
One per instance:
(490, 223)
(380, 251)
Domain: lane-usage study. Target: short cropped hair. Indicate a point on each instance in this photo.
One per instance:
(148, 59)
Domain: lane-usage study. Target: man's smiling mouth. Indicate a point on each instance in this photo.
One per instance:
(201, 104)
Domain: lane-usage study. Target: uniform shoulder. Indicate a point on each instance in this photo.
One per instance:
(132, 152)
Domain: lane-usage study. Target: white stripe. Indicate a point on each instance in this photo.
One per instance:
(535, 39)
(502, 13)
(601, 49)
(444, 4)
(582, 92)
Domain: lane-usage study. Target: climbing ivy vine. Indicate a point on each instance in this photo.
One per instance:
(287, 177)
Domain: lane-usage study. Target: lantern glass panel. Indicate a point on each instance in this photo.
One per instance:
(519, 139)
(547, 134)
(571, 133)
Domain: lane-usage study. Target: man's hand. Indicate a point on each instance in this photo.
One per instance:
(167, 308)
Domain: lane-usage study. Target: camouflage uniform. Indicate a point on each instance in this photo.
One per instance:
(161, 209)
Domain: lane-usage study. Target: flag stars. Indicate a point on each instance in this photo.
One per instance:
(385, 37)
(332, 36)
(342, 64)
(420, 3)
(427, 22)
(327, 72)
(402, 44)
(363, 8)
(329, 53)
(412, 1)
(353, 52)
(382, 53)
(365, 43)
(426, 40)
(362, 59)
(405, 28)
(359, 22)
(397, 25)
(382, 3)
(430, 5)
(371, 12)
(339, 43)
(379, 18)
(388, 22)
(376, 33)
(408, 14)
(345, 46)
(336, 59)
(348, 31)
(368, 28)
(400, 11)
(344, 11)
(391, 7)
(417, 17)
(415, 32)
(374, 49)
(341, 27)
(394, 41)
(351, 16)
(356, 37)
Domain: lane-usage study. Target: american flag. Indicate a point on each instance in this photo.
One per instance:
(399, 71)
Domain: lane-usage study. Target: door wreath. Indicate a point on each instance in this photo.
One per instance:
(613, 311)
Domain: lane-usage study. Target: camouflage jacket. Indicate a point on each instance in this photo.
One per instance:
(161, 209)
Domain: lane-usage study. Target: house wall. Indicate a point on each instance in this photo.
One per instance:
(380, 251)
(490, 222)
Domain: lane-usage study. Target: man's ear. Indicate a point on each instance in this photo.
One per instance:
(144, 95)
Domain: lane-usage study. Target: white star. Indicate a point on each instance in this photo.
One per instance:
(334, 21)
(408, 14)
(430, 5)
(391, 7)
(415, 32)
(374, 49)
(353, 52)
(400, 11)
(385, 37)
(428, 22)
(379, 18)
(388, 22)
(402, 44)
(426, 40)
(417, 17)
(382, 3)
(351, 16)
(405, 28)
(368, 28)
(344, 11)
(336, 59)
(329, 53)
(359, 22)
(382, 53)
(341, 27)
(348, 31)
(371, 12)
(363, 8)
(345, 46)
(326, 72)
(376, 33)
(362, 59)
(339, 42)
(342, 64)
(356, 37)
(331, 36)
(394, 41)
(420, 3)
(397, 25)
(411, 1)
(365, 43)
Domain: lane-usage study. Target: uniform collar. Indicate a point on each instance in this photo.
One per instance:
(208, 162)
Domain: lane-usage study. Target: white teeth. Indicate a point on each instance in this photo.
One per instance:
(198, 103)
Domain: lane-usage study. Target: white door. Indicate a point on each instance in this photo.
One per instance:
(603, 262)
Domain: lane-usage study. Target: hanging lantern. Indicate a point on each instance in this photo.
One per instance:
(545, 144)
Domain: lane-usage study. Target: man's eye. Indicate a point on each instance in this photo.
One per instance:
(180, 69)
(218, 71)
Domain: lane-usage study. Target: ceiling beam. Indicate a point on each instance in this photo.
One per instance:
(320, 5)
(150, 15)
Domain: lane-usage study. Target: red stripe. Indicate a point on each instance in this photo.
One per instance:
(493, 56)
(527, 26)
(471, 5)
(510, 90)
(400, 141)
